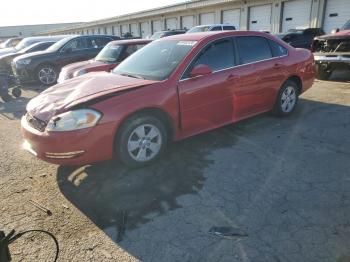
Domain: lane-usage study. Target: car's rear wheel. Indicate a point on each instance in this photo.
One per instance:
(141, 140)
(322, 72)
(287, 99)
(47, 75)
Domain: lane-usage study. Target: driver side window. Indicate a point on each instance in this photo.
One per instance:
(218, 56)
(75, 45)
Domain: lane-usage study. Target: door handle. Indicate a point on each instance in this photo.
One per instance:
(277, 66)
(232, 77)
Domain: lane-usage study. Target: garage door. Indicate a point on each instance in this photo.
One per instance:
(207, 18)
(232, 17)
(156, 26)
(260, 18)
(135, 29)
(337, 13)
(125, 29)
(187, 22)
(171, 23)
(296, 13)
(145, 29)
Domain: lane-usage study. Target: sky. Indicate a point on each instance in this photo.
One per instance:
(22, 12)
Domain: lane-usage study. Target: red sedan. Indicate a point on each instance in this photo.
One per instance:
(171, 89)
(109, 57)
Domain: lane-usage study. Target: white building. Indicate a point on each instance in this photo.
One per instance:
(268, 15)
(29, 30)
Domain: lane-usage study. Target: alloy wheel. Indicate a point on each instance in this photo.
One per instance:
(288, 99)
(47, 75)
(144, 143)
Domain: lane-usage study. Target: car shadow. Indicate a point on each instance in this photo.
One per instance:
(113, 196)
(15, 108)
(102, 191)
(341, 76)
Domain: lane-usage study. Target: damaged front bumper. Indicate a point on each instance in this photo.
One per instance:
(332, 57)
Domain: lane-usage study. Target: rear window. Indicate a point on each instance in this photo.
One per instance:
(216, 28)
(97, 42)
(252, 49)
(229, 27)
(277, 49)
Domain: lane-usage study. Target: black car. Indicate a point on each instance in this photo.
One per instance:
(6, 60)
(161, 34)
(45, 66)
(301, 38)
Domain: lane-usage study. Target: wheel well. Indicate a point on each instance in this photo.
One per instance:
(158, 113)
(297, 80)
(50, 64)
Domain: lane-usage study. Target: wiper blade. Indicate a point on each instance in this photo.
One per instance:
(133, 76)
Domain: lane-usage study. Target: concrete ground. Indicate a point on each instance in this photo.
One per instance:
(283, 183)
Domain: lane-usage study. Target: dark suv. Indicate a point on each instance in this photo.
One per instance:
(45, 66)
(301, 38)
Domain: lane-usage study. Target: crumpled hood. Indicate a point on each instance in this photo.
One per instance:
(340, 34)
(84, 64)
(61, 97)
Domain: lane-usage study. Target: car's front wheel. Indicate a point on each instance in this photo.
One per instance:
(47, 75)
(287, 99)
(141, 140)
(322, 72)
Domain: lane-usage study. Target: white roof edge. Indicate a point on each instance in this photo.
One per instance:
(144, 14)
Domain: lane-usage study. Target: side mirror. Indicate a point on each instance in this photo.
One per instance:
(335, 30)
(200, 70)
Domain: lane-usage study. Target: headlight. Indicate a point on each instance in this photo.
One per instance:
(63, 76)
(24, 61)
(74, 120)
(79, 73)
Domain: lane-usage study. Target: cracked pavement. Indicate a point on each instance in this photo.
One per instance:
(283, 181)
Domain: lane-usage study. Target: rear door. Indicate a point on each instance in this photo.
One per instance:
(206, 101)
(261, 73)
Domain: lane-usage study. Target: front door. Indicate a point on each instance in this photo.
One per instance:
(206, 101)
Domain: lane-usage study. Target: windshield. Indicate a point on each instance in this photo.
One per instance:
(56, 46)
(346, 26)
(198, 29)
(155, 61)
(23, 44)
(157, 35)
(110, 53)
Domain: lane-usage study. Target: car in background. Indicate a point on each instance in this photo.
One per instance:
(6, 60)
(332, 52)
(45, 66)
(25, 42)
(301, 38)
(109, 57)
(173, 88)
(166, 33)
(11, 42)
(206, 28)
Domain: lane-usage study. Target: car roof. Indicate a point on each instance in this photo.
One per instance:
(131, 41)
(212, 34)
(212, 25)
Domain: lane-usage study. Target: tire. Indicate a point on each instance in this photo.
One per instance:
(322, 72)
(134, 145)
(46, 75)
(287, 99)
(16, 92)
